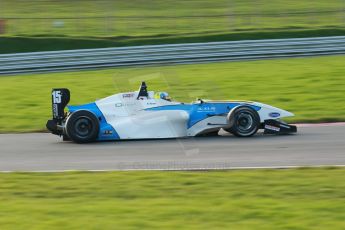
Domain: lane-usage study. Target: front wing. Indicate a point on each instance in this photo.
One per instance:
(278, 127)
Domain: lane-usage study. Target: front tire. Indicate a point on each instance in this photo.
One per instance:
(82, 127)
(244, 121)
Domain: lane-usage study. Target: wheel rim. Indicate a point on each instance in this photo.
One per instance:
(245, 122)
(83, 127)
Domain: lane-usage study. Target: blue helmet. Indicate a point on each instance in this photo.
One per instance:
(163, 95)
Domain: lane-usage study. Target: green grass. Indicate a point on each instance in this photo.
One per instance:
(312, 88)
(51, 25)
(253, 199)
(154, 17)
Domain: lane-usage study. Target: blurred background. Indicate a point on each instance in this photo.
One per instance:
(106, 18)
(173, 21)
(311, 87)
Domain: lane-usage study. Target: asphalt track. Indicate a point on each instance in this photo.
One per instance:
(318, 145)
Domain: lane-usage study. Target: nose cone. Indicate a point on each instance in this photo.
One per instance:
(269, 112)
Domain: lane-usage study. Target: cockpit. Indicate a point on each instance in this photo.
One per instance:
(144, 94)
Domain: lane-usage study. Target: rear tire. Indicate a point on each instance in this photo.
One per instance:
(82, 126)
(244, 121)
(65, 137)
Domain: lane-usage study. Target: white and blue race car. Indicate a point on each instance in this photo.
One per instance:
(144, 114)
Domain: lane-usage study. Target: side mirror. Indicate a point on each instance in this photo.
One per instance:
(201, 101)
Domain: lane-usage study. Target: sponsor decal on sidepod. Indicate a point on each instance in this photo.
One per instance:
(274, 114)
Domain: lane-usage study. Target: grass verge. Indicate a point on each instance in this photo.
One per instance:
(312, 88)
(253, 199)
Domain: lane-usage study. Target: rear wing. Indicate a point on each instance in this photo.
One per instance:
(60, 98)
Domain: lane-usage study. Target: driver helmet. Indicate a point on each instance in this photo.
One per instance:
(163, 95)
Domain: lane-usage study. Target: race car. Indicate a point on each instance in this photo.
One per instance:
(145, 114)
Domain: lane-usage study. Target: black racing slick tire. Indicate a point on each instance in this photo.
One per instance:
(82, 126)
(65, 137)
(244, 121)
